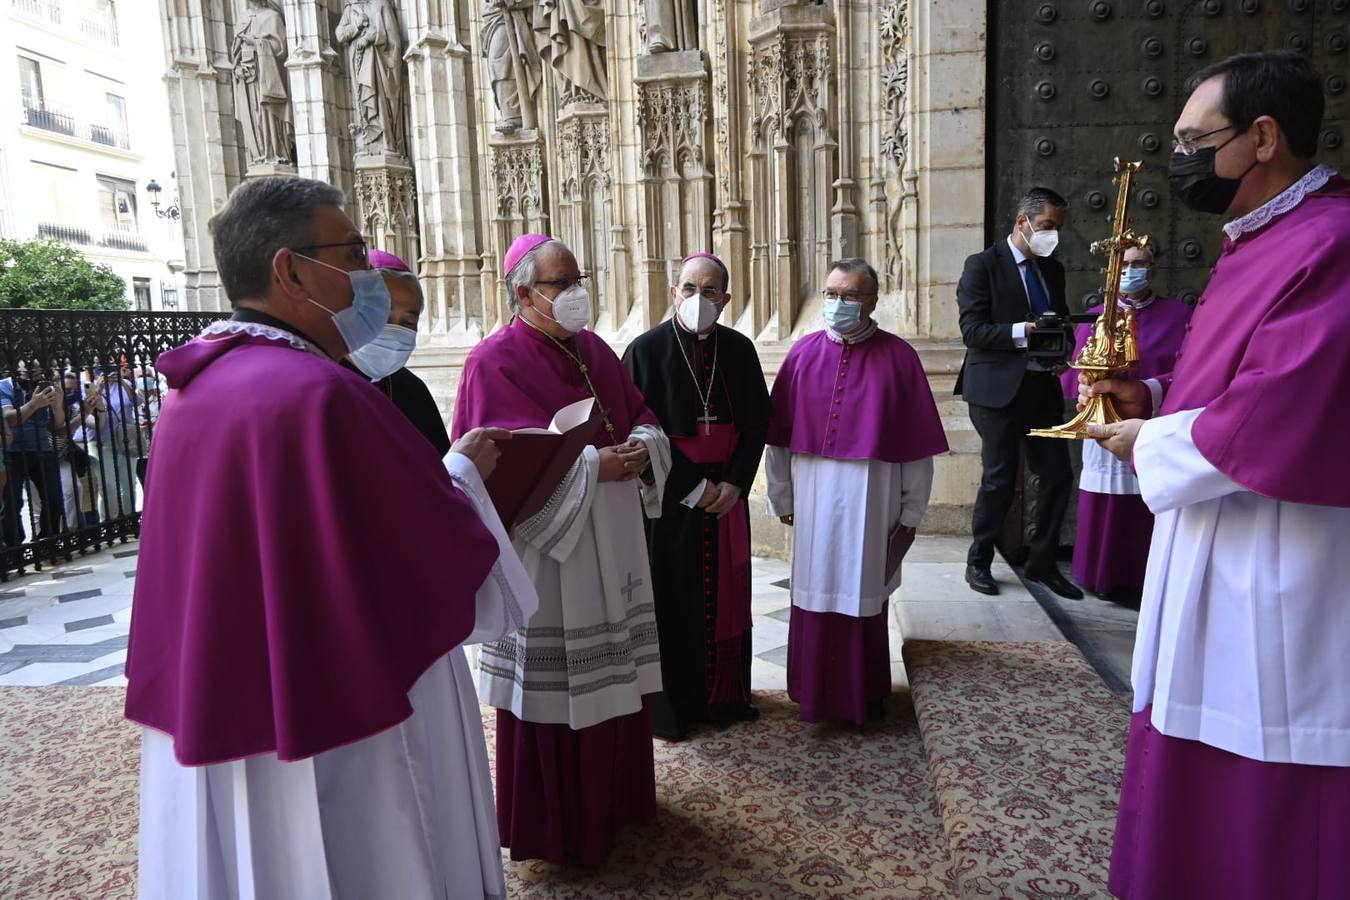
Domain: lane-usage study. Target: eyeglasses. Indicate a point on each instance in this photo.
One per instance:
(360, 253)
(851, 296)
(563, 283)
(708, 293)
(1187, 147)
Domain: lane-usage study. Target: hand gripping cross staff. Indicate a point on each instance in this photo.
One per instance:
(1114, 345)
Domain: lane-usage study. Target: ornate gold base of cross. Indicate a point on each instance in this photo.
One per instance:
(1114, 345)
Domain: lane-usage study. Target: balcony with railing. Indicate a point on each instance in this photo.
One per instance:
(99, 26)
(50, 119)
(123, 237)
(66, 234)
(95, 25)
(48, 10)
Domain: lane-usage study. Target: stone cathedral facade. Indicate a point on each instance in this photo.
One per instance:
(779, 134)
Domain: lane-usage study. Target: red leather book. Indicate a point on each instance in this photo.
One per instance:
(536, 460)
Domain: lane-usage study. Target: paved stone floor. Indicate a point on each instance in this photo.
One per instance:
(69, 625)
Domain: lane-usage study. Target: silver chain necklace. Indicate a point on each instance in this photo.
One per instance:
(703, 398)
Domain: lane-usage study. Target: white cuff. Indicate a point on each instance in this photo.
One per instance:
(1019, 334)
(695, 495)
(1172, 471)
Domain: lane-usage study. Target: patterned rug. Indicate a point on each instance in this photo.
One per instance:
(1026, 746)
(68, 786)
(778, 809)
(775, 809)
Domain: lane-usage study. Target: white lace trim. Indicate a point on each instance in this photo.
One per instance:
(1281, 203)
(257, 329)
(862, 336)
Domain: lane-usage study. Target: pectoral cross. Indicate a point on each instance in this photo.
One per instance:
(628, 589)
(707, 421)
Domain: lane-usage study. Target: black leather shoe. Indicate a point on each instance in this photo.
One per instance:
(1058, 583)
(980, 580)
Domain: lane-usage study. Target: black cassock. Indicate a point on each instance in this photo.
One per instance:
(704, 676)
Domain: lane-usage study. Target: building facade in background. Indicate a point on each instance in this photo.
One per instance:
(85, 136)
(778, 133)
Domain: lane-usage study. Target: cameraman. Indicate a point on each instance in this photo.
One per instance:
(1003, 291)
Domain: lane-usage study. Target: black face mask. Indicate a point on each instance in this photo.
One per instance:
(1195, 183)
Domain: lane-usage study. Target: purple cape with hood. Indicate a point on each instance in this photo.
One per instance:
(304, 555)
(1267, 354)
(868, 400)
(518, 378)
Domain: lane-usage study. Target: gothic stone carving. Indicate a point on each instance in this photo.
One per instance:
(514, 68)
(516, 172)
(387, 196)
(895, 79)
(672, 120)
(261, 97)
(895, 129)
(571, 39)
(671, 25)
(374, 42)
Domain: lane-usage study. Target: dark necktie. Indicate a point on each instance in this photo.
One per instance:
(1040, 304)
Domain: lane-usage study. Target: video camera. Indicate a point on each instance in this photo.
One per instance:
(1051, 341)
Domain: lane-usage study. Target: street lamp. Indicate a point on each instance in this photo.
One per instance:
(153, 189)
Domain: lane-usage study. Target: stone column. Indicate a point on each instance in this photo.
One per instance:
(794, 158)
(731, 235)
(320, 101)
(442, 87)
(519, 189)
(206, 145)
(585, 206)
(676, 181)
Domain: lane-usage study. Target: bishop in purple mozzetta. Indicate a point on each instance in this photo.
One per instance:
(853, 434)
(574, 733)
(1114, 524)
(1237, 771)
(308, 571)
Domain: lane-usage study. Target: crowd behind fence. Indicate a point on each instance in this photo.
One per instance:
(81, 394)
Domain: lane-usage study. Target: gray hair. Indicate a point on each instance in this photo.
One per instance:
(1035, 200)
(525, 274)
(261, 217)
(854, 265)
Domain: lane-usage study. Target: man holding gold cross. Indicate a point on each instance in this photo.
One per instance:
(1237, 772)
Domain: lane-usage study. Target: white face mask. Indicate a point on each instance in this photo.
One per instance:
(697, 313)
(386, 354)
(1042, 243)
(571, 308)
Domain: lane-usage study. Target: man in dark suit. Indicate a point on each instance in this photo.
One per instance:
(1002, 291)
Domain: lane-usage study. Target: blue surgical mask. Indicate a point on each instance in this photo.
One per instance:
(360, 323)
(1133, 281)
(842, 316)
(386, 354)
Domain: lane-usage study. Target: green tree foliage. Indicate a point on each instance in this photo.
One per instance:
(45, 274)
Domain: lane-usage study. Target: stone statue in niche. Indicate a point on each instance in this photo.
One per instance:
(571, 39)
(261, 98)
(671, 25)
(514, 68)
(374, 42)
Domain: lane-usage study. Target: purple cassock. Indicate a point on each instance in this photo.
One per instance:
(1267, 358)
(865, 400)
(561, 792)
(1114, 525)
(287, 596)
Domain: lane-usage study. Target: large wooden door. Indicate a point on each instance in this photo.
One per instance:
(1073, 83)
